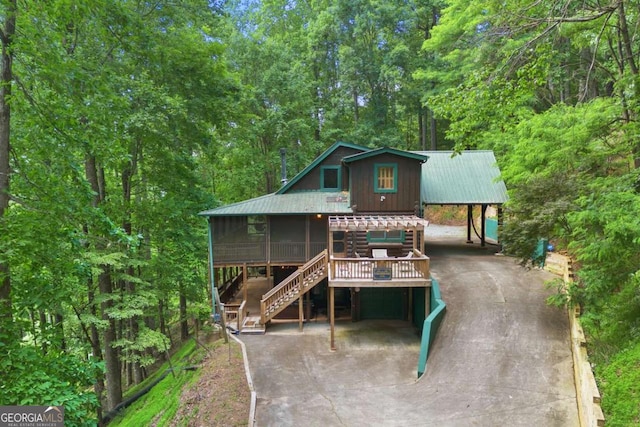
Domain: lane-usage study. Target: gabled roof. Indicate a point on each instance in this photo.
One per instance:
(312, 202)
(317, 161)
(385, 150)
(448, 178)
(468, 177)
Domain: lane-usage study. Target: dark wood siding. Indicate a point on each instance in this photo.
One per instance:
(357, 242)
(311, 181)
(363, 192)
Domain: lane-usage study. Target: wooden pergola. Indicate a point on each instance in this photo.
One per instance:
(408, 271)
(376, 222)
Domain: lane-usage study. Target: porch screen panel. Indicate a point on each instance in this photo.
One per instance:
(288, 238)
(318, 235)
(239, 239)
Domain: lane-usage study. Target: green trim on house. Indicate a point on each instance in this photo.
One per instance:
(338, 179)
(386, 150)
(376, 169)
(383, 237)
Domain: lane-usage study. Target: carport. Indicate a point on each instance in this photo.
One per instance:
(465, 178)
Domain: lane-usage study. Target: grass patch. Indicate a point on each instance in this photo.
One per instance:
(159, 406)
(215, 394)
(183, 353)
(619, 384)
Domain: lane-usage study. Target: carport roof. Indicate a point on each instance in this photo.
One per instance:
(465, 178)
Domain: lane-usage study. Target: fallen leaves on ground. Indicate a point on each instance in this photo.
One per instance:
(220, 396)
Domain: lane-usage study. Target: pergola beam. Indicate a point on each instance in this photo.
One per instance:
(376, 223)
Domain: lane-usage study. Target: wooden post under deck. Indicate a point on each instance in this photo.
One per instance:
(410, 303)
(300, 312)
(245, 279)
(332, 316)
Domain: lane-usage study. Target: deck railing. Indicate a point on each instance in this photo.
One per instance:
(234, 314)
(239, 252)
(369, 269)
(288, 251)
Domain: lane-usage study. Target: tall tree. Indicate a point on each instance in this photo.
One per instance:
(7, 33)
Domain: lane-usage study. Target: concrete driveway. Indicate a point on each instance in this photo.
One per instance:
(501, 357)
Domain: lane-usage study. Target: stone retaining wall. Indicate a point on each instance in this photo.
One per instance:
(588, 395)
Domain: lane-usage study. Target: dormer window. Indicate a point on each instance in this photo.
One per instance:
(330, 178)
(386, 177)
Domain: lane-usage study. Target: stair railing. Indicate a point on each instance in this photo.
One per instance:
(297, 284)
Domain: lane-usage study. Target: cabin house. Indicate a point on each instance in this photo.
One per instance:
(345, 236)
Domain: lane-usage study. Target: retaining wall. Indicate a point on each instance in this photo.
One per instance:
(587, 393)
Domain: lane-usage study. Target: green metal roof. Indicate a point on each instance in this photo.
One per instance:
(469, 177)
(312, 202)
(448, 178)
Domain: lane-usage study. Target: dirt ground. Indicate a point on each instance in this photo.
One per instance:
(221, 395)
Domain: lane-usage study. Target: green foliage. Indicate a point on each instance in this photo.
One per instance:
(161, 403)
(619, 385)
(538, 209)
(552, 88)
(549, 164)
(57, 378)
(606, 236)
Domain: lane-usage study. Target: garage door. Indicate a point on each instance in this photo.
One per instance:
(383, 303)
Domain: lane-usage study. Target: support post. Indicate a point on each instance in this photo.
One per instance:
(300, 312)
(245, 281)
(469, 222)
(332, 316)
(483, 214)
(500, 225)
(410, 304)
(307, 306)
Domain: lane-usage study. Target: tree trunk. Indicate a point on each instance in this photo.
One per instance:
(111, 359)
(134, 372)
(184, 324)
(98, 387)
(6, 80)
(43, 330)
(59, 325)
(422, 128)
(432, 129)
(112, 362)
(356, 108)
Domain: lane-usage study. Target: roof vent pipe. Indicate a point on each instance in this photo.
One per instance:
(283, 166)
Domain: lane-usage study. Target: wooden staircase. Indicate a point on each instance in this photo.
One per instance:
(294, 286)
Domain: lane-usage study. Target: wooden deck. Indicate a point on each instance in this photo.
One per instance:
(380, 272)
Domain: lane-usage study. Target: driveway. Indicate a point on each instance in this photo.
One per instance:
(501, 357)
